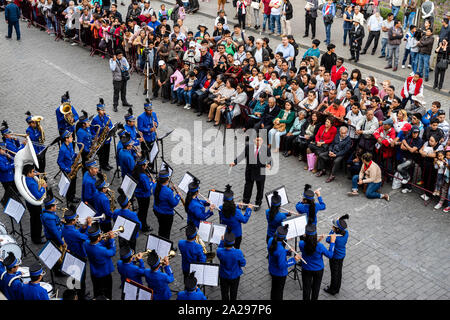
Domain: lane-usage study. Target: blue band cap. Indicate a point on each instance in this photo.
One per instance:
(228, 243)
(164, 175)
(72, 217)
(28, 119)
(84, 120)
(129, 254)
(51, 202)
(147, 105)
(192, 236)
(36, 273)
(142, 162)
(66, 134)
(6, 131)
(101, 185)
(100, 107)
(228, 199)
(91, 164)
(194, 190)
(129, 117)
(96, 233)
(124, 202)
(127, 143)
(13, 264)
(339, 225)
(280, 236)
(154, 266)
(307, 197)
(311, 233)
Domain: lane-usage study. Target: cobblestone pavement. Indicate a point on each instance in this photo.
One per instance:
(406, 242)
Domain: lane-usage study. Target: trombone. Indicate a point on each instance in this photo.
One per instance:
(10, 154)
(22, 135)
(112, 233)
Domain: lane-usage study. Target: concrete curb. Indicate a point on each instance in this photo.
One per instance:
(360, 65)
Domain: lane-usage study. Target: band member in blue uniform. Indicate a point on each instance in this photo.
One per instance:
(191, 290)
(129, 266)
(144, 189)
(6, 171)
(66, 158)
(147, 123)
(12, 144)
(278, 265)
(308, 206)
(102, 120)
(231, 215)
(88, 189)
(131, 128)
(102, 203)
(231, 262)
(84, 138)
(339, 227)
(35, 211)
(35, 134)
(75, 239)
(11, 279)
(312, 252)
(66, 122)
(191, 251)
(125, 157)
(196, 208)
(274, 216)
(158, 280)
(33, 290)
(126, 213)
(100, 253)
(164, 203)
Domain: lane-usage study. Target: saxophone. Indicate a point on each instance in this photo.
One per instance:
(100, 139)
(77, 164)
(209, 255)
(111, 195)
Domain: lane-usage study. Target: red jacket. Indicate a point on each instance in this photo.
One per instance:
(326, 137)
(337, 74)
(387, 137)
(406, 85)
(267, 9)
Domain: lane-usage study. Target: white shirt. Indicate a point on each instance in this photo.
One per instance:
(258, 55)
(276, 11)
(374, 23)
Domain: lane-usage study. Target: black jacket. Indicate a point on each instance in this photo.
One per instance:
(357, 35)
(254, 169)
(269, 116)
(289, 10)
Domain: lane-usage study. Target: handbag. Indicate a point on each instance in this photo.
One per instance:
(442, 64)
(311, 160)
(328, 19)
(255, 5)
(125, 73)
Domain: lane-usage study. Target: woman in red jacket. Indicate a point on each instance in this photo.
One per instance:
(324, 138)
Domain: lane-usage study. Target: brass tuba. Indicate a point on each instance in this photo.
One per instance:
(66, 110)
(38, 120)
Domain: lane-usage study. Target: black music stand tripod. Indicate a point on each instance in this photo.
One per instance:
(295, 273)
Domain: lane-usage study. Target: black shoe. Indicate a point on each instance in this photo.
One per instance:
(145, 92)
(258, 207)
(363, 52)
(180, 103)
(327, 290)
(434, 87)
(356, 60)
(199, 114)
(126, 104)
(115, 108)
(147, 229)
(105, 168)
(373, 53)
(164, 100)
(352, 58)
(305, 35)
(7, 37)
(381, 56)
(173, 101)
(426, 79)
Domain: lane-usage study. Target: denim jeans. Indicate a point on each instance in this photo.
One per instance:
(424, 61)
(275, 19)
(395, 11)
(16, 26)
(371, 191)
(346, 33)
(328, 32)
(188, 96)
(49, 23)
(414, 60)
(274, 132)
(384, 42)
(407, 23)
(266, 20)
(405, 56)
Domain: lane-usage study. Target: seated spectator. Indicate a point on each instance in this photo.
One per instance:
(365, 129)
(354, 162)
(431, 114)
(323, 139)
(384, 147)
(191, 83)
(310, 102)
(295, 95)
(270, 113)
(220, 102)
(353, 117)
(177, 87)
(336, 111)
(443, 192)
(202, 92)
(370, 174)
(237, 101)
(257, 112)
(337, 152)
(417, 105)
(281, 124)
(294, 133)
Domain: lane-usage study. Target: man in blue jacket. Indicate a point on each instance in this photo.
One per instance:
(130, 267)
(191, 251)
(6, 170)
(337, 152)
(35, 211)
(33, 290)
(147, 123)
(12, 16)
(192, 291)
(159, 276)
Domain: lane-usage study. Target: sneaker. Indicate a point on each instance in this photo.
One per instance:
(446, 209)
(438, 206)
(188, 106)
(74, 44)
(403, 66)
(409, 66)
(425, 197)
(404, 181)
(406, 190)
(385, 197)
(353, 193)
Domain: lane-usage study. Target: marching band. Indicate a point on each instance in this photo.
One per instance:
(94, 242)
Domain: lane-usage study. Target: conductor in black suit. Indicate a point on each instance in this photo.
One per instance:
(257, 158)
(270, 113)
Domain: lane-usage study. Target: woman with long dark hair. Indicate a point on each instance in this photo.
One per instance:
(196, 208)
(312, 252)
(274, 216)
(144, 189)
(278, 265)
(231, 215)
(308, 206)
(164, 203)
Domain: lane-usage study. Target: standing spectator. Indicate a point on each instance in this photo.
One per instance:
(287, 13)
(328, 13)
(409, 13)
(275, 13)
(442, 64)
(329, 59)
(266, 14)
(395, 35)
(119, 67)
(310, 17)
(385, 26)
(374, 27)
(256, 7)
(337, 70)
(358, 15)
(241, 9)
(444, 34)
(395, 6)
(425, 47)
(348, 22)
(409, 38)
(12, 15)
(356, 39)
(428, 12)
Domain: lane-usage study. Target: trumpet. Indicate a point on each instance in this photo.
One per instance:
(170, 256)
(102, 217)
(112, 233)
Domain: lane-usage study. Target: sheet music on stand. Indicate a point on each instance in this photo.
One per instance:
(83, 211)
(73, 266)
(184, 183)
(63, 185)
(161, 245)
(296, 226)
(14, 209)
(49, 254)
(135, 291)
(154, 152)
(281, 192)
(166, 166)
(128, 225)
(216, 197)
(210, 232)
(206, 273)
(128, 186)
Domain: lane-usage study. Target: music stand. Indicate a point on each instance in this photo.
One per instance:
(162, 142)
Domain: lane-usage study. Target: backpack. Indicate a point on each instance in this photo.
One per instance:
(174, 14)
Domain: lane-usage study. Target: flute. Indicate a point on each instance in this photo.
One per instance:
(327, 235)
(292, 249)
(247, 204)
(289, 211)
(207, 200)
